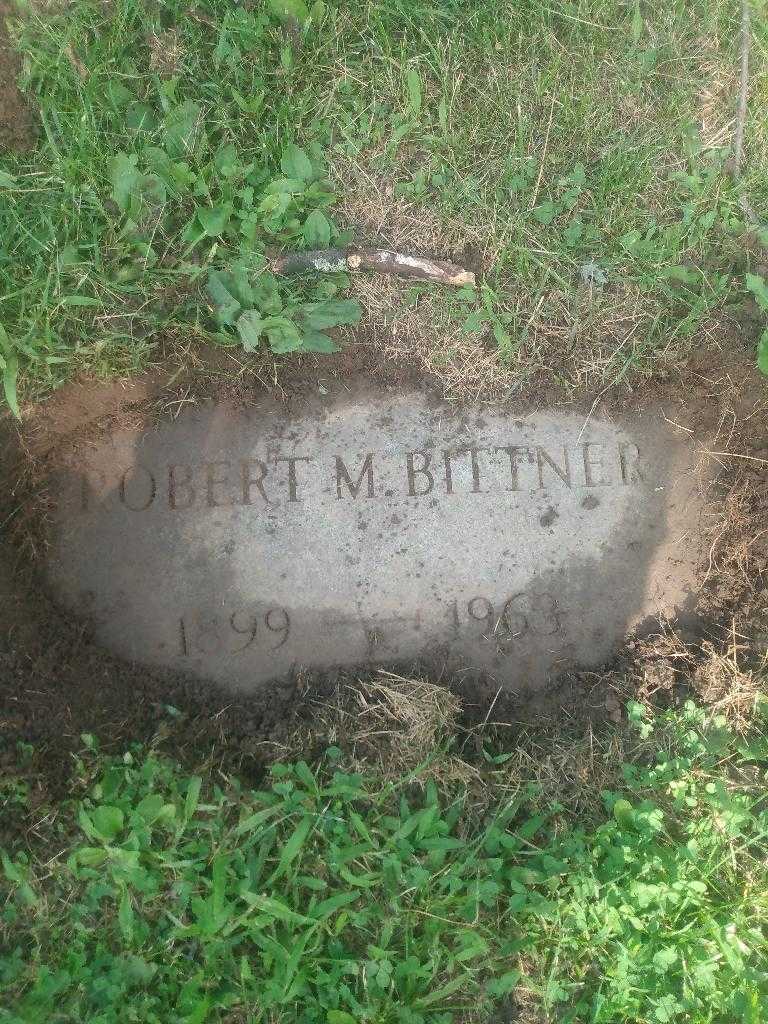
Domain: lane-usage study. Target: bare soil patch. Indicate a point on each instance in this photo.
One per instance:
(56, 684)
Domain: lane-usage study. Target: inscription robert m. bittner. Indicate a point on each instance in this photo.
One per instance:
(297, 478)
(243, 545)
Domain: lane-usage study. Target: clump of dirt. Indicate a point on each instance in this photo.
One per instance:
(56, 684)
(16, 122)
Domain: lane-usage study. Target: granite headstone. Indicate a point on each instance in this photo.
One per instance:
(242, 545)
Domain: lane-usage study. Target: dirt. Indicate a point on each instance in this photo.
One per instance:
(56, 684)
(16, 122)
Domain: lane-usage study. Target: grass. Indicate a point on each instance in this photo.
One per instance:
(578, 151)
(345, 892)
(580, 148)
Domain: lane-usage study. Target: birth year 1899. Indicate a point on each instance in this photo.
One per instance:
(234, 633)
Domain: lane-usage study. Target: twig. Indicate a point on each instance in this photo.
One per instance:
(749, 212)
(676, 424)
(741, 109)
(485, 720)
(737, 160)
(544, 153)
(381, 261)
(76, 63)
(734, 455)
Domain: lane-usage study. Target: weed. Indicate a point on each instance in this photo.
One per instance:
(759, 289)
(584, 153)
(155, 180)
(339, 896)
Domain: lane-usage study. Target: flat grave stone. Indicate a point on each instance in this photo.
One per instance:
(242, 545)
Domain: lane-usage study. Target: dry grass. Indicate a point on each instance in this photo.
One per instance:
(716, 99)
(574, 763)
(387, 721)
(724, 682)
(419, 327)
(735, 522)
(403, 726)
(421, 331)
(581, 342)
(738, 550)
(368, 203)
(565, 334)
(727, 674)
(571, 768)
(166, 53)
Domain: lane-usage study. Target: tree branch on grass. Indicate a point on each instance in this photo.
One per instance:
(379, 261)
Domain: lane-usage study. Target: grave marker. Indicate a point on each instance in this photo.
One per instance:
(239, 546)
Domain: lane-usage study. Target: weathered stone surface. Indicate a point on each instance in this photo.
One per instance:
(241, 545)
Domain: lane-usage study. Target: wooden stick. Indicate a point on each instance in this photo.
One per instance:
(737, 160)
(380, 261)
(741, 108)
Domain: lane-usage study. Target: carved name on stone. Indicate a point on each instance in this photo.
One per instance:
(242, 545)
